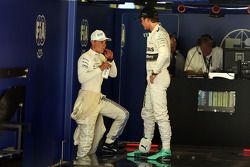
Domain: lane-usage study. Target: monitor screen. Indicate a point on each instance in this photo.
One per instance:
(215, 101)
(231, 57)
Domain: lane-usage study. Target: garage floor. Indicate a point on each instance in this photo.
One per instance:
(183, 156)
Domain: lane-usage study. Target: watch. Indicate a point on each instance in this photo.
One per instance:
(154, 73)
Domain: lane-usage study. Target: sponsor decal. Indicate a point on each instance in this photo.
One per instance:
(84, 32)
(239, 38)
(145, 35)
(40, 34)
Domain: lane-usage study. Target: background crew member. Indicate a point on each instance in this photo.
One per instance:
(91, 105)
(158, 79)
(204, 58)
(176, 67)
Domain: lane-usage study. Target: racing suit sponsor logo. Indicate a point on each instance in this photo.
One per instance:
(150, 49)
(152, 57)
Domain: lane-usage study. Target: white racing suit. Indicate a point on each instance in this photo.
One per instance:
(155, 100)
(91, 105)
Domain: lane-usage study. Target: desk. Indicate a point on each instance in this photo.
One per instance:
(192, 127)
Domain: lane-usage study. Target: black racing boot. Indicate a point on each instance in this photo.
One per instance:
(111, 149)
(119, 145)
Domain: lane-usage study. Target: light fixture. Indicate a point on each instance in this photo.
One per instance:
(216, 10)
(181, 8)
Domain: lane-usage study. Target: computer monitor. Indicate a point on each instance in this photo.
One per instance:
(233, 56)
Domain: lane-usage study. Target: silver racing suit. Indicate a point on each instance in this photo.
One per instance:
(155, 101)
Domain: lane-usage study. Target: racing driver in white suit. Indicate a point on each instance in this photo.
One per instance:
(158, 79)
(91, 105)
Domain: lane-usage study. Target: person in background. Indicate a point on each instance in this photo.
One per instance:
(176, 67)
(91, 105)
(158, 79)
(204, 58)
